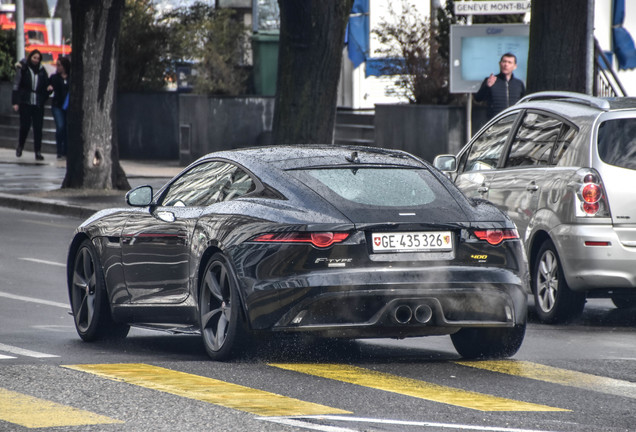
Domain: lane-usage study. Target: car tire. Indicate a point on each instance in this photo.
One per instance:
(624, 302)
(481, 342)
(554, 301)
(223, 329)
(89, 300)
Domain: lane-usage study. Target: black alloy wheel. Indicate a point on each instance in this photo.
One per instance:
(482, 342)
(624, 302)
(89, 301)
(222, 328)
(554, 301)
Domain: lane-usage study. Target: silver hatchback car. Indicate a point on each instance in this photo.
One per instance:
(563, 166)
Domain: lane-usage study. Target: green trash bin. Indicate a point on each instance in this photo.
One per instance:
(265, 57)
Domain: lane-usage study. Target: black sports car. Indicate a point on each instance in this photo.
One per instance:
(342, 242)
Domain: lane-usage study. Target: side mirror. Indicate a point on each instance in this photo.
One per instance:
(140, 196)
(445, 162)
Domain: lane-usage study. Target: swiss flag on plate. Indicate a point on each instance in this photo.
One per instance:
(377, 241)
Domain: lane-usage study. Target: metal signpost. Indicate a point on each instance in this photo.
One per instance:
(471, 8)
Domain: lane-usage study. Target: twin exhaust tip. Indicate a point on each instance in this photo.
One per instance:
(404, 314)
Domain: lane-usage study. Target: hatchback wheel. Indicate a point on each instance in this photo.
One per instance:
(554, 301)
(222, 327)
(89, 301)
(482, 342)
(624, 302)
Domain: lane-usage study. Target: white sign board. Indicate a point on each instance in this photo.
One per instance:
(492, 7)
(475, 51)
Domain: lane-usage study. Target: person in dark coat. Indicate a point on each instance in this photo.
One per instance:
(502, 90)
(59, 84)
(28, 98)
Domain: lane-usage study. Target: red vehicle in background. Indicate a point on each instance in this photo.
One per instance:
(50, 53)
(36, 36)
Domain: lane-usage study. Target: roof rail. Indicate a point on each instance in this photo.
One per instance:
(580, 98)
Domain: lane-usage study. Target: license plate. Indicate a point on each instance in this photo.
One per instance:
(412, 241)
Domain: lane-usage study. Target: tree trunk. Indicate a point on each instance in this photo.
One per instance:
(558, 46)
(93, 155)
(309, 59)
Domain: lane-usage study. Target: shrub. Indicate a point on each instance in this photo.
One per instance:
(422, 74)
(7, 55)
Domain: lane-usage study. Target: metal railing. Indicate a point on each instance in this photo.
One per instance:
(606, 82)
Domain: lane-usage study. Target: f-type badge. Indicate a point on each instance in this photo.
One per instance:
(334, 262)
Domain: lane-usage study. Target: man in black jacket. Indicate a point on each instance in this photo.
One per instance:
(28, 98)
(502, 90)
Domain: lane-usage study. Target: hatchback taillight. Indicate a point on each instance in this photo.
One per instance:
(591, 195)
(496, 236)
(318, 239)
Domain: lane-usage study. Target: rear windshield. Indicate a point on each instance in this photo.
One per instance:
(617, 142)
(377, 187)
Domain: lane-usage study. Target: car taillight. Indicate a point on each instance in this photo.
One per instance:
(591, 195)
(496, 236)
(318, 239)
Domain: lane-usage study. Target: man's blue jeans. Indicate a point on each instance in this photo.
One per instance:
(59, 115)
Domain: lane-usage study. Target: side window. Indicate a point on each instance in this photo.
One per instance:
(486, 149)
(563, 142)
(206, 184)
(534, 140)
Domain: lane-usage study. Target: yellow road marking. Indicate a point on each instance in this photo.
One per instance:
(205, 389)
(554, 375)
(414, 388)
(32, 412)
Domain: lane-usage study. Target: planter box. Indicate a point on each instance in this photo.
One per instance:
(424, 130)
(147, 125)
(178, 126)
(208, 124)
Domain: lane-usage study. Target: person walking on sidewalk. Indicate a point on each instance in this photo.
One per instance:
(59, 84)
(28, 98)
(502, 90)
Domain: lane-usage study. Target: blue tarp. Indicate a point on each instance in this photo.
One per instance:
(623, 43)
(383, 66)
(357, 37)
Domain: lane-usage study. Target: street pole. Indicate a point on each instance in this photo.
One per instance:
(469, 100)
(19, 29)
(590, 52)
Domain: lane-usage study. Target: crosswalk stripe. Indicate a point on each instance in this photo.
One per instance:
(34, 300)
(206, 389)
(32, 412)
(39, 261)
(412, 387)
(24, 352)
(554, 375)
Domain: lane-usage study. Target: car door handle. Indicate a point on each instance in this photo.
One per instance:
(482, 189)
(532, 188)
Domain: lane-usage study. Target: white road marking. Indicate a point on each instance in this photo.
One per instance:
(6, 357)
(305, 425)
(34, 300)
(39, 261)
(283, 420)
(55, 328)
(24, 352)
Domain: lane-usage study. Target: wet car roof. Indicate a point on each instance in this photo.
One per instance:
(313, 155)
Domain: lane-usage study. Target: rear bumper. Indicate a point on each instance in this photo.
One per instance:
(595, 267)
(391, 303)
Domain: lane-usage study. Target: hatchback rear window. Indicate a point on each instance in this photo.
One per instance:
(617, 142)
(377, 187)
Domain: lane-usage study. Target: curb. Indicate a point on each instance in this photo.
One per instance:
(44, 205)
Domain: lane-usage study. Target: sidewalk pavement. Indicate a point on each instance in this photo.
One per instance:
(27, 184)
